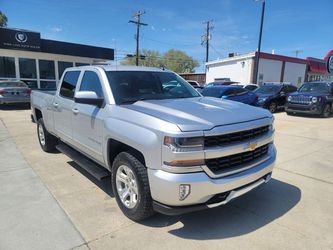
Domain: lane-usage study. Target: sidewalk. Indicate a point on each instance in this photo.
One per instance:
(30, 218)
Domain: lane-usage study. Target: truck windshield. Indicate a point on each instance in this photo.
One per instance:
(314, 87)
(268, 89)
(132, 86)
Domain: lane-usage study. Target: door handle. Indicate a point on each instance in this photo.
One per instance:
(56, 105)
(75, 111)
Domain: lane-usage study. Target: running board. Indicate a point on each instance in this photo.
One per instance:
(84, 162)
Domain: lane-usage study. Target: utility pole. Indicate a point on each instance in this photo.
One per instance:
(297, 51)
(138, 23)
(259, 42)
(206, 37)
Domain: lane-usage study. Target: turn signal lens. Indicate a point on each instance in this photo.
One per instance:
(185, 163)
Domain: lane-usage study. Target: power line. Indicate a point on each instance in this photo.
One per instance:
(216, 51)
(137, 17)
(167, 43)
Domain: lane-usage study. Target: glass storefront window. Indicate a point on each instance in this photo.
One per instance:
(27, 68)
(46, 69)
(81, 64)
(7, 67)
(31, 84)
(62, 66)
(48, 85)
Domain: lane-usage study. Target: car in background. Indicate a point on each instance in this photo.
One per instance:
(195, 85)
(312, 98)
(248, 86)
(273, 96)
(219, 83)
(233, 93)
(14, 92)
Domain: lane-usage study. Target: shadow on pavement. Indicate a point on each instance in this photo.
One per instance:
(242, 216)
(104, 184)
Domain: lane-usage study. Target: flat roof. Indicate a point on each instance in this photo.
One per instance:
(25, 40)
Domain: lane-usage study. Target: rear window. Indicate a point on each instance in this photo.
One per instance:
(12, 84)
(68, 84)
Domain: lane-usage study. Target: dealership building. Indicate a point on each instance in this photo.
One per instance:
(25, 56)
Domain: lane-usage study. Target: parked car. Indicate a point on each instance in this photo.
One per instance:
(273, 96)
(169, 150)
(14, 92)
(233, 93)
(312, 98)
(195, 85)
(219, 83)
(248, 86)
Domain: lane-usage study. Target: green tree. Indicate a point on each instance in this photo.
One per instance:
(152, 58)
(3, 20)
(179, 61)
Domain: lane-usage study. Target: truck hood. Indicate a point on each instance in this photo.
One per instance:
(201, 113)
(308, 94)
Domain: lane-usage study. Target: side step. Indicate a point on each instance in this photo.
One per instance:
(84, 162)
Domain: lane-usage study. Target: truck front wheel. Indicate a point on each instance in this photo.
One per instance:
(46, 140)
(326, 111)
(131, 187)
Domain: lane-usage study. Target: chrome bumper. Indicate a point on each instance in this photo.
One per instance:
(164, 186)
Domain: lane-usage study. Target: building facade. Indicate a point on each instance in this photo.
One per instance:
(272, 68)
(25, 56)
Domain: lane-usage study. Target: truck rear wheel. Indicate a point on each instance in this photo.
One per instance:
(131, 187)
(46, 140)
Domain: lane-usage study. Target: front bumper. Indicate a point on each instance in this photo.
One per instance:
(313, 109)
(164, 186)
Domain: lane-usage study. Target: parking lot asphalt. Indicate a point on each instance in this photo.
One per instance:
(293, 211)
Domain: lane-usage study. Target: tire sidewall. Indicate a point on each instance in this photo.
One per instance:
(125, 159)
(40, 123)
(326, 111)
(275, 107)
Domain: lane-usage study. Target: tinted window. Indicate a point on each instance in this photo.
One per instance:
(91, 82)
(250, 87)
(27, 68)
(62, 66)
(240, 91)
(212, 92)
(7, 67)
(46, 69)
(268, 89)
(68, 84)
(131, 86)
(48, 85)
(31, 84)
(314, 87)
(12, 84)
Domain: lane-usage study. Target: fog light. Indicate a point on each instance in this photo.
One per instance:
(184, 191)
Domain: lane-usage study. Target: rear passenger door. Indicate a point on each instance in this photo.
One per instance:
(88, 119)
(63, 104)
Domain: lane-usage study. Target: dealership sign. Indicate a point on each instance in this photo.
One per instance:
(329, 61)
(19, 39)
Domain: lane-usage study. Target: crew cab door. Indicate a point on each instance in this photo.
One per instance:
(88, 119)
(62, 105)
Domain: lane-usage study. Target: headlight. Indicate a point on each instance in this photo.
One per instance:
(314, 99)
(184, 144)
(289, 98)
(271, 127)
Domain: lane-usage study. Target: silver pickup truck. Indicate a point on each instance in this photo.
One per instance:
(167, 148)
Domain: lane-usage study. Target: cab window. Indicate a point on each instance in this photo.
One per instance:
(68, 84)
(91, 82)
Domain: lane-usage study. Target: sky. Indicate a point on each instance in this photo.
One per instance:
(289, 25)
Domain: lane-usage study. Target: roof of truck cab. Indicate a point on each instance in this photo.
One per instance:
(124, 68)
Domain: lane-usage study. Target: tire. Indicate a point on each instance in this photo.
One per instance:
(45, 139)
(139, 205)
(289, 113)
(272, 107)
(326, 111)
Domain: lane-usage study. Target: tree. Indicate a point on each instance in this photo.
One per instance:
(175, 60)
(3, 20)
(179, 61)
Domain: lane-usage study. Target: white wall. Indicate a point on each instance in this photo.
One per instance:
(294, 73)
(270, 70)
(236, 70)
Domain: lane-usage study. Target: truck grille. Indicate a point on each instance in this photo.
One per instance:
(222, 140)
(301, 99)
(228, 163)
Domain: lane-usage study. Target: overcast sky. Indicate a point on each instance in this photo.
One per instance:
(289, 24)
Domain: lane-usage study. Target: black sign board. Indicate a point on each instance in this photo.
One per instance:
(19, 39)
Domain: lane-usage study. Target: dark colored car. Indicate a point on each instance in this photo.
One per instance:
(274, 96)
(233, 93)
(312, 98)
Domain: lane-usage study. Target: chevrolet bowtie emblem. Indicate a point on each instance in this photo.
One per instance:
(252, 146)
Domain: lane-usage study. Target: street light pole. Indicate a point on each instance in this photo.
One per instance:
(259, 43)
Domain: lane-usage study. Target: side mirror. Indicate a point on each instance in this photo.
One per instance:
(88, 97)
